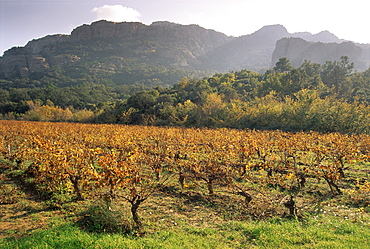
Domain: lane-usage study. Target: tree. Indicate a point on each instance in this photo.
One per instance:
(283, 65)
(143, 100)
(210, 112)
(312, 72)
(334, 73)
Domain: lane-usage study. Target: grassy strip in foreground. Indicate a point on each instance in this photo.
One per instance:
(317, 232)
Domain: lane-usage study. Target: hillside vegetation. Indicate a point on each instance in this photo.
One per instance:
(328, 97)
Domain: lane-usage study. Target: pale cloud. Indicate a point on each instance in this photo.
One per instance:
(116, 13)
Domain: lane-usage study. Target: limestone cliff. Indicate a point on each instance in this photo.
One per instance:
(297, 50)
(162, 42)
(37, 55)
(104, 29)
(108, 47)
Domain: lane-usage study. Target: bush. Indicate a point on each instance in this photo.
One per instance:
(100, 217)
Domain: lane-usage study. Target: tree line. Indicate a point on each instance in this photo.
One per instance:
(328, 97)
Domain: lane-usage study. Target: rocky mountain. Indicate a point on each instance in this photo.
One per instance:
(161, 43)
(323, 36)
(265, 46)
(37, 55)
(297, 50)
(110, 48)
(246, 52)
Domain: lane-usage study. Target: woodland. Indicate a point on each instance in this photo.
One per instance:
(326, 97)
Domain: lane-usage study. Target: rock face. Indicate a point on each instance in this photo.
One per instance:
(63, 59)
(179, 45)
(23, 65)
(174, 45)
(104, 29)
(38, 46)
(37, 55)
(14, 64)
(193, 36)
(297, 50)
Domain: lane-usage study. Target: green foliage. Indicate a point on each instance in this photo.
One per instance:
(329, 97)
(334, 74)
(100, 217)
(287, 98)
(283, 65)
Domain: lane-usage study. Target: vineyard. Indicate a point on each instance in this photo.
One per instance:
(247, 173)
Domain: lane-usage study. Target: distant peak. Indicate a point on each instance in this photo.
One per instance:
(164, 23)
(323, 36)
(324, 32)
(274, 32)
(326, 36)
(275, 28)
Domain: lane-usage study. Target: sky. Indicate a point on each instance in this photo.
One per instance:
(25, 20)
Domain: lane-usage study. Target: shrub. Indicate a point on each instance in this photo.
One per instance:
(100, 217)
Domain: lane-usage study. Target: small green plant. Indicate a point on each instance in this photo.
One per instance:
(58, 198)
(101, 217)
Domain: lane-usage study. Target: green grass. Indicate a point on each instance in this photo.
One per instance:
(315, 232)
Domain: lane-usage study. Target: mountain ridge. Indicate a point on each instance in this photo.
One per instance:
(189, 47)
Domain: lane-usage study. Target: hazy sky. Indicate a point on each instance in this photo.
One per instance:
(24, 20)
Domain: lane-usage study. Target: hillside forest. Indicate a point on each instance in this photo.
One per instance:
(322, 97)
